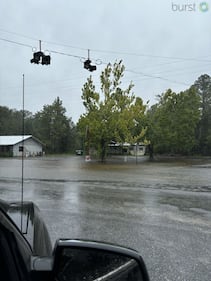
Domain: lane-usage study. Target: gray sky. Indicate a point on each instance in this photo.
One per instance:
(163, 44)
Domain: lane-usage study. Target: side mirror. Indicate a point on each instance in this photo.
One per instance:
(93, 261)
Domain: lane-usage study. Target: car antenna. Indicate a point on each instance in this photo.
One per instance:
(22, 158)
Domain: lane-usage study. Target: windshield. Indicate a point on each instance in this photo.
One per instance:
(105, 123)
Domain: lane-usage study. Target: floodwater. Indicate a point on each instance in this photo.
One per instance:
(162, 208)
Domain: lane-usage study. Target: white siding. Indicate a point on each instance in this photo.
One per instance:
(31, 148)
(139, 150)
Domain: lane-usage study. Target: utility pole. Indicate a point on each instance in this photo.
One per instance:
(22, 148)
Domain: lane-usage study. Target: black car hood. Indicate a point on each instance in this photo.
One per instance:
(31, 225)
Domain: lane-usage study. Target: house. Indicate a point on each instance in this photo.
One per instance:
(16, 145)
(127, 148)
(138, 149)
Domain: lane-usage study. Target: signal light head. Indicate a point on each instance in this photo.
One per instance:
(92, 68)
(36, 57)
(46, 60)
(88, 66)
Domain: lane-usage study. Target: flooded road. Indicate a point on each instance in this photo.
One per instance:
(162, 209)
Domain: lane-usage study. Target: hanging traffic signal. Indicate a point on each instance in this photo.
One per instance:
(88, 66)
(46, 60)
(40, 57)
(37, 57)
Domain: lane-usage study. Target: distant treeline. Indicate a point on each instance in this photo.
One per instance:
(181, 123)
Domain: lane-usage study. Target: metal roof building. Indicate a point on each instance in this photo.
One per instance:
(16, 145)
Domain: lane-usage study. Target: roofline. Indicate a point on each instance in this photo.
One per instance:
(34, 138)
(24, 138)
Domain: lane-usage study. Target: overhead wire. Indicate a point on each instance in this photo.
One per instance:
(106, 51)
(15, 42)
(167, 60)
(147, 55)
(157, 77)
(66, 54)
(18, 34)
(82, 58)
(174, 71)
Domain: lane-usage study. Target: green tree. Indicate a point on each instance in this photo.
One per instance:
(53, 127)
(5, 117)
(203, 88)
(111, 115)
(11, 121)
(173, 121)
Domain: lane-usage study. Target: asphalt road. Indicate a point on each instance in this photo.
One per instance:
(161, 209)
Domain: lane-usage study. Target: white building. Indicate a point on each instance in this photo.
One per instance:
(137, 149)
(127, 148)
(15, 145)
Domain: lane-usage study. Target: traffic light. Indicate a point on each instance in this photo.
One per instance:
(36, 57)
(46, 60)
(40, 57)
(88, 66)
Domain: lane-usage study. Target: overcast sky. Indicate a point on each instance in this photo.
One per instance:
(163, 44)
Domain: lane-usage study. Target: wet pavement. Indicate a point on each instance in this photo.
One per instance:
(162, 209)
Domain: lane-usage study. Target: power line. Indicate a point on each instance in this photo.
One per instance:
(31, 47)
(157, 77)
(48, 42)
(15, 42)
(66, 54)
(18, 34)
(82, 58)
(107, 51)
(149, 55)
(66, 45)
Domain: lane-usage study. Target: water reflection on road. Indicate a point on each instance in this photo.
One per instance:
(161, 209)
